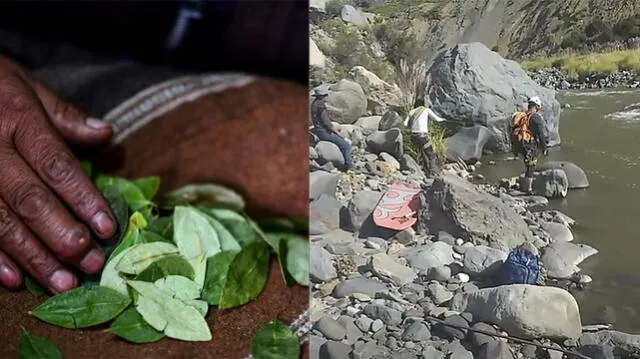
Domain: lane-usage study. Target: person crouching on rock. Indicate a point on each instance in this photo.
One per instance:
(323, 128)
(529, 138)
(418, 120)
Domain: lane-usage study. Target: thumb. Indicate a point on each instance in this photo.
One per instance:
(73, 124)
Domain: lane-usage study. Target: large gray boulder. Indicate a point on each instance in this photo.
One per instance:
(346, 102)
(317, 5)
(329, 152)
(467, 143)
(390, 119)
(380, 94)
(361, 285)
(575, 175)
(369, 124)
(561, 259)
(350, 14)
(322, 182)
(316, 57)
(353, 132)
(386, 141)
(523, 310)
(321, 267)
(324, 215)
(471, 84)
(483, 261)
(360, 208)
(459, 207)
(387, 269)
(430, 255)
(551, 183)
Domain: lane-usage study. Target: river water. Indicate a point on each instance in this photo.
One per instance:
(601, 134)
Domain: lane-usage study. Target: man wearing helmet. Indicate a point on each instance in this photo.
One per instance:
(529, 138)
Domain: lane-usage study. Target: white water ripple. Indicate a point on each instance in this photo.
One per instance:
(630, 113)
(577, 93)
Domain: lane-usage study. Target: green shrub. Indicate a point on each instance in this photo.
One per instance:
(574, 40)
(437, 136)
(599, 31)
(409, 147)
(351, 50)
(629, 27)
(398, 42)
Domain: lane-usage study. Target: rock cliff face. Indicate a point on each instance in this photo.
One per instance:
(515, 27)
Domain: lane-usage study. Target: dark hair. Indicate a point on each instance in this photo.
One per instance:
(531, 105)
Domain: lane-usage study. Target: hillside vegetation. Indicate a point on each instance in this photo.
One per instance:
(540, 33)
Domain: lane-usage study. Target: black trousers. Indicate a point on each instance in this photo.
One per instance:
(429, 158)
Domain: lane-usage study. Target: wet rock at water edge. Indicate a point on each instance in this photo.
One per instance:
(576, 176)
(522, 310)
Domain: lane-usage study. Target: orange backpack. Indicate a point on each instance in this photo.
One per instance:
(520, 130)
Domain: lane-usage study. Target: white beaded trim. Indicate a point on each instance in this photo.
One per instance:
(161, 98)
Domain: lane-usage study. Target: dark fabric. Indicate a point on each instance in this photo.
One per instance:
(343, 145)
(320, 117)
(521, 267)
(97, 89)
(429, 158)
(265, 37)
(539, 130)
(530, 155)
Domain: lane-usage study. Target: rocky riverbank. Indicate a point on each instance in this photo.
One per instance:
(557, 79)
(422, 292)
(376, 292)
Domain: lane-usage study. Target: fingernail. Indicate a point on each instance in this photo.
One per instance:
(103, 224)
(96, 123)
(8, 276)
(62, 280)
(93, 261)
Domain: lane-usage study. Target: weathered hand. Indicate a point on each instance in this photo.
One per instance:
(45, 197)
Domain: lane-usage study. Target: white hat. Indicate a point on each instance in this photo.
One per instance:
(535, 100)
(321, 90)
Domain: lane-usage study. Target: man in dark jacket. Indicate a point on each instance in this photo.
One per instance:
(531, 135)
(323, 128)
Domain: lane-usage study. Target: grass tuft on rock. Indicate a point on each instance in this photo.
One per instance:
(437, 136)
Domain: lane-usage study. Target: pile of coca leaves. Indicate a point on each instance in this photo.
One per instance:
(193, 249)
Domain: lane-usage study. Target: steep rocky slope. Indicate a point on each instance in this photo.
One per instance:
(521, 27)
(515, 28)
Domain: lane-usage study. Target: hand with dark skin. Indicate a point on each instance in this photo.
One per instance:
(49, 209)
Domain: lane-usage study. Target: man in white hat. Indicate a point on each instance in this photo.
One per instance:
(323, 128)
(529, 138)
(418, 119)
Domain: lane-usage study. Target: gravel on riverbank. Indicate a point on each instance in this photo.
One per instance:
(558, 79)
(375, 291)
